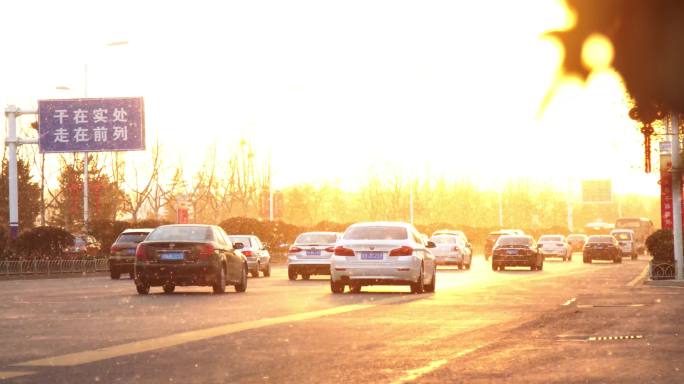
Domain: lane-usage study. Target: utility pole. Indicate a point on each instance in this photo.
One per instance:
(677, 197)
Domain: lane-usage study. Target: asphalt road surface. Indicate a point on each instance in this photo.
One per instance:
(570, 323)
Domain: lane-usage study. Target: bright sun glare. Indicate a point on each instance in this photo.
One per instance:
(339, 91)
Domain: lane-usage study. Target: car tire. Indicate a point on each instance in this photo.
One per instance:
(291, 274)
(142, 288)
(219, 285)
(460, 265)
(131, 275)
(430, 288)
(242, 285)
(634, 256)
(533, 267)
(169, 287)
(467, 266)
(541, 266)
(355, 288)
(570, 257)
(114, 274)
(267, 271)
(418, 286)
(306, 276)
(255, 272)
(502, 267)
(495, 267)
(586, 260)
(618, 260)
(336, 287)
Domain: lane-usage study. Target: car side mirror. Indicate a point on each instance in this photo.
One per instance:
(431, 244)
(238, 245)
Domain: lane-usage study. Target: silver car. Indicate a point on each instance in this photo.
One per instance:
(256, 253)
(310, 254)
(451, 250)
(382, 253)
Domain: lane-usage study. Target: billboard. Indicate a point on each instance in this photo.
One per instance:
(597, 191)
(91, 125)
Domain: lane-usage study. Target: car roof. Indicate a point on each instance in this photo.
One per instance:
(516, 237)
(552, 235)
(382, 224)
(624, 230)
(319, 232)
(135, 230)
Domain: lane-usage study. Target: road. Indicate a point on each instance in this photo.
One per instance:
(479, 326)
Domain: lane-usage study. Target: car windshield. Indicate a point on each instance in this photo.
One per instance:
(622, 236)
(181, 233)
(131, 237)
(600, 239)
(514, 240)
(445, 239)
(550, 238)
(246, 241)
(316, 238)
(376, 233)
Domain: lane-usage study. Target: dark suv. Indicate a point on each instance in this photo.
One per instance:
(122, 252)
(189, 254)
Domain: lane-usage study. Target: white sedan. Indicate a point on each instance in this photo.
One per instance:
(555, 246)
(451, 249)
(382, 253)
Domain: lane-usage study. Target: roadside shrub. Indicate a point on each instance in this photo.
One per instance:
(43, 242)
(660, 245)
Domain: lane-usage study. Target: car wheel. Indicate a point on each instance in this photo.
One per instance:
(142, 287)
(355, 288)
(502, 267)
(291, 274)
(430, 288)
(306, 276)
(460, 265)
(255, 272)
(541, 266)
(533, 267)
(242, 285)
(131, 275)
(467, 266)
(169, 288)
(418, 286)
(495, 267)
(336, 287)
(634, 256)
(267, 271)
(220, 280)
(114, 274)
(618, 260)
(570, 257)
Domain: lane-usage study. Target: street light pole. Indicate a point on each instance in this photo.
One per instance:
(85, 160)
(677, 197)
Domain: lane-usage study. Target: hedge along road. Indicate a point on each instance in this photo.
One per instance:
(98, 328)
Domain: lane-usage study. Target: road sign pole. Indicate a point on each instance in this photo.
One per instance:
(85, 192)
(677, 197)
(11, 113)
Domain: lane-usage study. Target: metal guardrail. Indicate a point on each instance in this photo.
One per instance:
(28, 267)
(661, 271)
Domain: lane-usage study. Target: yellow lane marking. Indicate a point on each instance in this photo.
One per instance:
(415, 374)
(4, 375)
(639, 278)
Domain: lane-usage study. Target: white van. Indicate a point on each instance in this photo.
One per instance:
(626, 238)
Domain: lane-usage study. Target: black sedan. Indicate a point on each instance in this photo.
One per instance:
(516, 251)
(602, 247)
(189, 254)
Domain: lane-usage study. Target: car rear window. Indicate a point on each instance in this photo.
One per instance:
(316, 238)
(509, 240)
(246, 241)
(376, 233)
(181, 233)
(550, 238)
(445, 239)
(132, 237)
(600, 239)
(622, 236)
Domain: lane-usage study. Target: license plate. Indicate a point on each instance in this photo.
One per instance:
(172, 256)
(371, 255)
(512, 251)
(313, 252)
(130, 251)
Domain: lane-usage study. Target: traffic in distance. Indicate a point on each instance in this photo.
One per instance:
(365, 254)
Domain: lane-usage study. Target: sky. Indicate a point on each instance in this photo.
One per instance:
(338, 91)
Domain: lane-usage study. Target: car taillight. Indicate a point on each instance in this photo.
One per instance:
(114, 249)
(330, 249)
(247, 253)
(140, 252)
(206, 250)
(342, 251)
(402, 251)
(294, 250)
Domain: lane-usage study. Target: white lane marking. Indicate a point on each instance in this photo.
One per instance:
(416, 373)
(4, 375)
(569, 302)
(639, 278)
(148, 345)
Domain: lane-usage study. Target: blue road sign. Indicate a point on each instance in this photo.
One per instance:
(91, 125)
